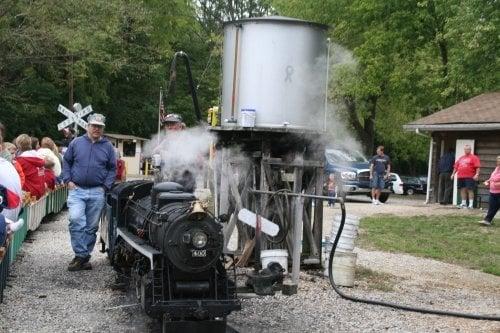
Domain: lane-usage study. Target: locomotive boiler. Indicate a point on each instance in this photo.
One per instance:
(170, 247)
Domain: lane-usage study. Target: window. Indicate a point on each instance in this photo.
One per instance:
(128, 148)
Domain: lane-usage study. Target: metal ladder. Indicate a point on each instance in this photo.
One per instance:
(158, 282)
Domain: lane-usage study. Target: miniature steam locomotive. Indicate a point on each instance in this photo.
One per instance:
(170, 247)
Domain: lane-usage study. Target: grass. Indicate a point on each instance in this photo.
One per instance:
(453, 239)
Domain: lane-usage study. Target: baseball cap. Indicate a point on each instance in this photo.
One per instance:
(172, 118)
(97, 119)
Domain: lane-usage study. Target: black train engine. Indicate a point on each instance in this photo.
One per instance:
(170, 247)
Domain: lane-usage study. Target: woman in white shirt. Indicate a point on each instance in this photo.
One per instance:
(49, 152)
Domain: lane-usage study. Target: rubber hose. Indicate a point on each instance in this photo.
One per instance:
(389, 304)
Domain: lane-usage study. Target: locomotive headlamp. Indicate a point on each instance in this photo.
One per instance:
(199, 239)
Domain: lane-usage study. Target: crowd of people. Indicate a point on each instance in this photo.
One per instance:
(30, 167)
(38, 163)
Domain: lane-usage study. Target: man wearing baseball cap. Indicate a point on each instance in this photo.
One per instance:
(89, 170)
(172, 122)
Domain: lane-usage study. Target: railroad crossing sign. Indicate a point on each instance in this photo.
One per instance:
(74, 117)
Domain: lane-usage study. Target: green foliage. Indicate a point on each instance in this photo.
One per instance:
(118, 54)
(407, 59)
(411, 58)
(454, 239)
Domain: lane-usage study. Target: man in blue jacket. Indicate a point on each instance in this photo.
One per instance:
(89, 170)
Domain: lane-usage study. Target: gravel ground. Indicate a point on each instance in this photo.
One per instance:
(44, 297)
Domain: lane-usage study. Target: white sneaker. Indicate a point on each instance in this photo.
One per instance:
(462, 206)
(379, 203)
(374, 202)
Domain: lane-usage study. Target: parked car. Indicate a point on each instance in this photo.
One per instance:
(412, 185)
(423, 180)
(396, 184)
(352, 173)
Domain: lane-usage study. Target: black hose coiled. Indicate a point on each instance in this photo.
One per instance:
(389, 304)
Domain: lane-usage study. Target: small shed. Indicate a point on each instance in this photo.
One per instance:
(130, 148)
(475, 122)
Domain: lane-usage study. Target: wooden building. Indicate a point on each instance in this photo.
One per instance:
(130, 148)
(475, 122)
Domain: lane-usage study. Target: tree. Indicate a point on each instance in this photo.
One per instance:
(212, 13)
(116, 53)
(412, 58)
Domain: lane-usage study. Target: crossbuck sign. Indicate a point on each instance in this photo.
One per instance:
(74, 117)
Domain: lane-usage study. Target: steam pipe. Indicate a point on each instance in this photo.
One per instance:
(173, 78)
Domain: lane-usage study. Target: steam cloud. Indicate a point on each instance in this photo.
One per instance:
(338, 133)
(181, 151)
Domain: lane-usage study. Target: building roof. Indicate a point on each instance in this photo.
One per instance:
(478, 113)
(124, 137)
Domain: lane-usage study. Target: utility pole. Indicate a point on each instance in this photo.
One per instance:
(71, 83)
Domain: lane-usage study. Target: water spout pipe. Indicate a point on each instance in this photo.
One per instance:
(192, 88)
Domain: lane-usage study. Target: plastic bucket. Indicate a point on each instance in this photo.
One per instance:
(349, 232)
(346, 244)
(349, 219)
(279, 256)
(344, 266)
(247, 118)
(348, 229)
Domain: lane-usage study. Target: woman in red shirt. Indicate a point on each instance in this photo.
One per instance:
(33, 167)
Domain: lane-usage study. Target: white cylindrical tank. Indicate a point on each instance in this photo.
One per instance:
(275, 69)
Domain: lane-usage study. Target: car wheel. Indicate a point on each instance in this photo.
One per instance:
(383, 197)
(410, 191)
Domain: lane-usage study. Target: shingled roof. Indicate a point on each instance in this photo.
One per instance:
(478, 113)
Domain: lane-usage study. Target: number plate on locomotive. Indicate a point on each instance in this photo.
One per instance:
(198, 253)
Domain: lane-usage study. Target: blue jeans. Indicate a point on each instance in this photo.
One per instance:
(85, 206)
(331, 202)
(493, 206)
(378, 181)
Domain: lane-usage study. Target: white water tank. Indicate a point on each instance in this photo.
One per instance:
(275, 68)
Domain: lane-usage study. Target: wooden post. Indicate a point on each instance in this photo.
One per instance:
(264, 184)
(318, 211)
(224, 183)
(298, 204)
(298, 211)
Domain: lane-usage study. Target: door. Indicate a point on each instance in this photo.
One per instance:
(459, 151)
